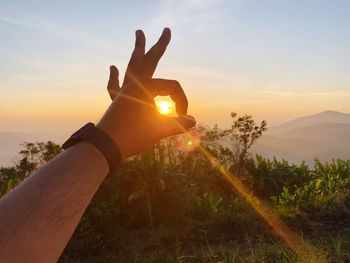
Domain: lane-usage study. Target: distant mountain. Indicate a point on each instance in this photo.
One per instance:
(323, 117)
(10, 143)
(325, 135)
(333, 132)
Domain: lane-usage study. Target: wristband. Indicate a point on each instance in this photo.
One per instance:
(100, 140)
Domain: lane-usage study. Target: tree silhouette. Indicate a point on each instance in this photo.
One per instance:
(240, 138)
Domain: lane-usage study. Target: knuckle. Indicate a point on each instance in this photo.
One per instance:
(176, 86)
(176, 83)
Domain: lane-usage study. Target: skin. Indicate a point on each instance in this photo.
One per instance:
(38, 217)
(133, 111)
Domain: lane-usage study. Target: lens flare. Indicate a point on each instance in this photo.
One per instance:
(303, 249)
(165, 106)
(188, 141)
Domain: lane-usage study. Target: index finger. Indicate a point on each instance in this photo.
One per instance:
(113, 82)
(152, 57)
(136, 56)
(172, 88)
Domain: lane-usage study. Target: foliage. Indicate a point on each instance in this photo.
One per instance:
(240, 137)
(32, 157)
(326, 191)
(170, 205)
(269, 178)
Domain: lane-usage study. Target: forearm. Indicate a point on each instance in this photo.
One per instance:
(39, 216)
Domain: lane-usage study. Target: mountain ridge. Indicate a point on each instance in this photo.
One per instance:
(323, 135)
(328, 116)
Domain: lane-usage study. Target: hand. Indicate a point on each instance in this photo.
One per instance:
(132, 119)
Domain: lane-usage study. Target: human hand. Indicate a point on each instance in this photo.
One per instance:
(132, 119)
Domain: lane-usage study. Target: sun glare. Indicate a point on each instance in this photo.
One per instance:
(188, 141)
(165, 106)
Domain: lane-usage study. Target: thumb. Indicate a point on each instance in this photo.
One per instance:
(176, 125)
(113, 82)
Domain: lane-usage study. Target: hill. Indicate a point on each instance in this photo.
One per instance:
(10, 143)
(322, 117)
(325, 135)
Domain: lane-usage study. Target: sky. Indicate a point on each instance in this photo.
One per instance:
(273, 59)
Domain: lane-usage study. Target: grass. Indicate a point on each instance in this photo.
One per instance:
(332, 246)
(183, 211)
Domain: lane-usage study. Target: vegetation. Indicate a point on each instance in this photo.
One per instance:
(170, 204)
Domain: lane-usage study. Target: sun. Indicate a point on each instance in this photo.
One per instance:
(165, 107)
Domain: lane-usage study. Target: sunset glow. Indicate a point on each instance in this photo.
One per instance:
(307, 253)
(165, 106)
(233, 118)
(188, 141)
(258, 76)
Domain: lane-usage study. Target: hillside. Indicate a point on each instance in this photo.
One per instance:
(10, 143)
(322, 117)
(325, 135)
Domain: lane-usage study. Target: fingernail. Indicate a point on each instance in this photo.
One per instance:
(137, 33)
(165, 29)
(113, 69)
(190, 120)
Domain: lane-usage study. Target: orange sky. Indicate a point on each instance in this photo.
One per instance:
(243, 56)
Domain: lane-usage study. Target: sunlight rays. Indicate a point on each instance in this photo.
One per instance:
(303, 249)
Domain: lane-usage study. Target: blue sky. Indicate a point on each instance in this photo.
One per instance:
(273, 59)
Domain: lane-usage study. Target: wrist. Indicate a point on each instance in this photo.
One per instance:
(116, 134)
(100, 140)
(90, 152)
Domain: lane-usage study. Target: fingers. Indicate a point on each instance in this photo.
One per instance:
(172, 88)
(113, 82)
(175, 125)
(136, 56)
(152, 57)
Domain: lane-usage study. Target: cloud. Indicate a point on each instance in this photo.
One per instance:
(25, 19)
(199, 15)
(304, 94)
